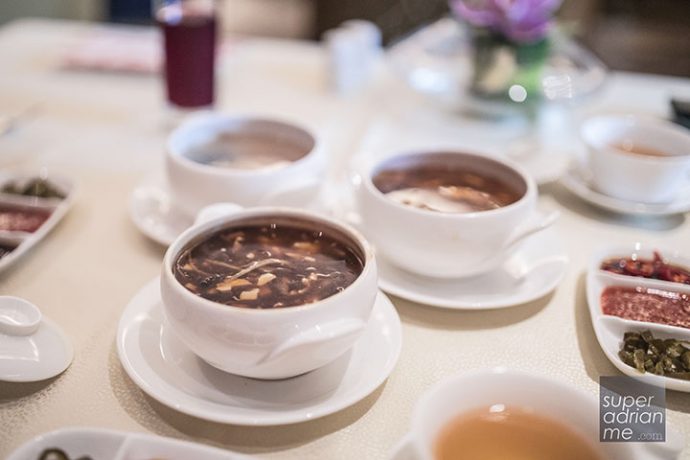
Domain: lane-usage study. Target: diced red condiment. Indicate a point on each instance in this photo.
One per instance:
(655, 268)
(21, 219)
(647, 304)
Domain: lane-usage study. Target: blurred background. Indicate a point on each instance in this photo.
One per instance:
(636, 35)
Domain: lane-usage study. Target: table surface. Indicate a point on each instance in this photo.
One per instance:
(107, 131)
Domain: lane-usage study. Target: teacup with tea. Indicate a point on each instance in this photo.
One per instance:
(499, 414)
(269, 292)
(250, 161)
(448, 214)
(637, 159)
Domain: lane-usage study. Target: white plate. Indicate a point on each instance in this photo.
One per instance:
(170, 373)
(534, 270)
(153, 213)
(39, 356)
(578, 181)
(103, 444)
(57, 208)
(609, 330)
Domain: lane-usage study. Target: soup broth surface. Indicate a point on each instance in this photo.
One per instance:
(269, 265)
(510, 433)
(444, 188)
(246, 151)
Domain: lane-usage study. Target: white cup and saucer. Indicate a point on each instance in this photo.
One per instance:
(243, 159)
(634, 165)
(465, 258)
(259, 365)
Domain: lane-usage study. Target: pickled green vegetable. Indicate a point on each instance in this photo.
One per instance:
(39, 188)
(667, 357)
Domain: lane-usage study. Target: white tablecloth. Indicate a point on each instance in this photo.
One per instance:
(107, 132)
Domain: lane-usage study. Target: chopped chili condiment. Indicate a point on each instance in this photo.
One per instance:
(655, 268)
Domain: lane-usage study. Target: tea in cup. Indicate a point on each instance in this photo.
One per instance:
(268, 292)
(447, 214)
(244, 160)
(637, 159)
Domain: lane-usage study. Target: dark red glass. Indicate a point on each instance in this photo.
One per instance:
(190, 48)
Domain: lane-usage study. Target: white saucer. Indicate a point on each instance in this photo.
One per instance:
(117, 445)
(39, 356)
(151, 210)
(578, 181)
(168, 372)
(534, 270)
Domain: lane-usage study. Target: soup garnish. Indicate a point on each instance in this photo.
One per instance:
(269, 265)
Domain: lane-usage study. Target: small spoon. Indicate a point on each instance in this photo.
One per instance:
(18, 316)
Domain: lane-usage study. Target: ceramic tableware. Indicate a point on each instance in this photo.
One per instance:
(276, 342)
(449, 244)
(610, 329)
(637, 159)
(169, 372)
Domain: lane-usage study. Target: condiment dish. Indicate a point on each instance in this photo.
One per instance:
(102, 444)
(610, 329)
(19, 242)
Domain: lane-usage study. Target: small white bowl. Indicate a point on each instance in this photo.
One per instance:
(194, 185)
(271, 343)
(571, 406)
(450, 245)
(632, 176)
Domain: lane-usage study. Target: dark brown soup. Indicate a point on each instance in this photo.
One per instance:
(451, 183)
(269, 265)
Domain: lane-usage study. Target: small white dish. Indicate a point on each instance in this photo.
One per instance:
(169, 372)
(609, 329)
(32, 347)
(153, 212)
(578, 180)
(531, 272)
(105, 444)
(21, 241)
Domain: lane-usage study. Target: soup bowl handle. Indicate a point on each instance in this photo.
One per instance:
(531, 227)
(215, 210)
(334, 332)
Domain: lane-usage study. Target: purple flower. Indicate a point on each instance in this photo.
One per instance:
(518, 20)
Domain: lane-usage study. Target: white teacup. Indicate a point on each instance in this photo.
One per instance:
(195, 184)
(637, 176)
(269, 343)
(449, 245)
(466, 392)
